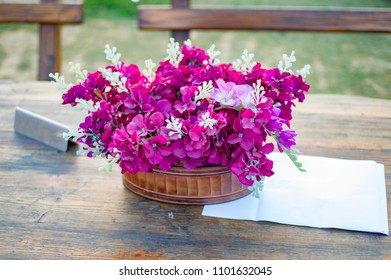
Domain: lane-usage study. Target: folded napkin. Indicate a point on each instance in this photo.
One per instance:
(333, 193)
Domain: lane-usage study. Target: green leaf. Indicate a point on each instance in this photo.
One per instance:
(293, 158)
(256, 188)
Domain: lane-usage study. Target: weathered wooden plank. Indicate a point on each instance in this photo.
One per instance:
(41, 13)
(57, 206)
(276, 19)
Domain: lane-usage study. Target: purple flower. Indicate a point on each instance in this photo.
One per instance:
(138, 102)
(212, 122)
(131, 72)
(161, 118)
(75, 92)
(243, 92)
(275, 123)
(225, 93)
(287, 139)
(260, 151)
(241, 170)
(277, 80)
(197, 142)
(164, 106)
(137, 125)
(245, 137)
(156, 149)
(154, 121)
(132, 159)
(187, 104)
(255, 120)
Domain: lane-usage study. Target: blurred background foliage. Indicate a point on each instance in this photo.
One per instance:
(341, 63)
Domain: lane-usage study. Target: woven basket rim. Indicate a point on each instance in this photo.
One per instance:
(199, 171)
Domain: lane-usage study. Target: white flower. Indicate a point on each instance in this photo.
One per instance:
(248, 64)
(304, 71)
(258, 95)
(188, 43)
(203, 91)
(112, 55)
(149, 71)
(213, 54)
(174, 53)
(176, 126)
(80, 75)
(59, 81)
(284, 66)
(257, 187)
(114, 79)
(87, 105)
(207, 121)
(107, 166)
(97, 151)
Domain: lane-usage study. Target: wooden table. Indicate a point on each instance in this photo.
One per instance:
(58, 206)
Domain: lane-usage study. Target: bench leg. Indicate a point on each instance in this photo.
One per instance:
(180, 35)
(49, 50)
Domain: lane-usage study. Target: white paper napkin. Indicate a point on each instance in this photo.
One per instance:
(333, 193)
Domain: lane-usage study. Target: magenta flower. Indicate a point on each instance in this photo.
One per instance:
(255, 120)
(187, 104)
(131, 72)
(287, 139)
(212, 122)
(156, 149)
(191, 111)
(137, 125)
(277, 80)
(138, 102)
(132, 159)
(75, 92)
(154, 121)
(245, 137)
(241, 170)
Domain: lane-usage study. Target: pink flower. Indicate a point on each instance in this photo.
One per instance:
(245, 137)
(154, 121)
(243, 92)
(225, 93)
(162, 118)
(187, 103)
(138, 102)
(156, 149)
(137, 125)
(241, 170)
(255, 120)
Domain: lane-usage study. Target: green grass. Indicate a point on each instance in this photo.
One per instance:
(357, 64)
(115, 8)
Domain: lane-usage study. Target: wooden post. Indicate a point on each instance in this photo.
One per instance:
(180, 35)
(49, 48)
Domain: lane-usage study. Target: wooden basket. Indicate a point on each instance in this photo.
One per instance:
(204, 185)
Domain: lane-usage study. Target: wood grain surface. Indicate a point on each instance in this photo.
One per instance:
(41, 13)
(263, 18)
(58, 206)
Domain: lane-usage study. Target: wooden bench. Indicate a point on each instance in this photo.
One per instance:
(181, 18)
(50, 15)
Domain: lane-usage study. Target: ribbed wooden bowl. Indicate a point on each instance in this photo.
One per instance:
(204, 185)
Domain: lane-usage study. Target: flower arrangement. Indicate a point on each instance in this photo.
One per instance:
(191, 111)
